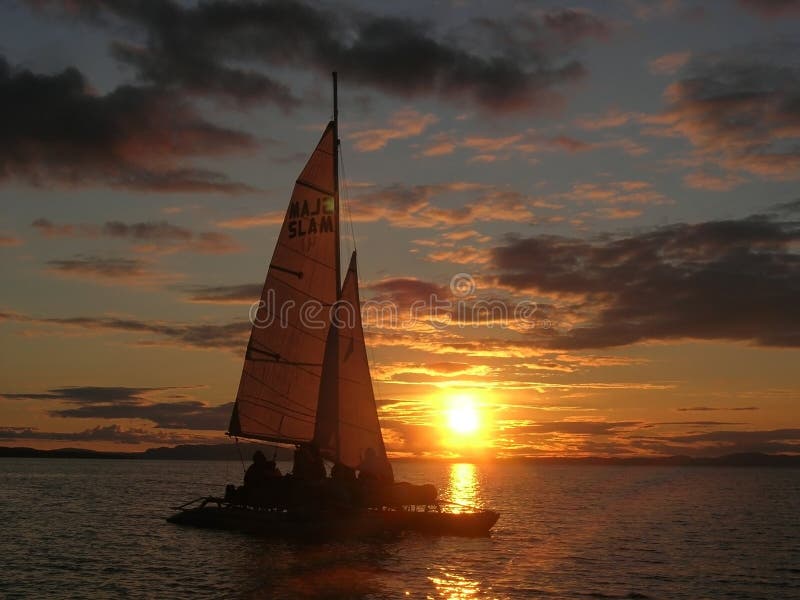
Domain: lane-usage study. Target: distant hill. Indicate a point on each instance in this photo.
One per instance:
(61, 453)
(183, 452)
(230, 452)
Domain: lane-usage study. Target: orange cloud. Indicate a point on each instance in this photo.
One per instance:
(9, 240)
(703, 180)
(615, 193)
(403, 124)
(669, 63)
(611, 119)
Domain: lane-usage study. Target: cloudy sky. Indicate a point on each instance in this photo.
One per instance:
(621, 178)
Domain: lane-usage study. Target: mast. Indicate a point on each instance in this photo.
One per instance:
(336, 184)
(333, 339)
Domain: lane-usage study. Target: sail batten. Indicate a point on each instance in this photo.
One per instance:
(314, 187)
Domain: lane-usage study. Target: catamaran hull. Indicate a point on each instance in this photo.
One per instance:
(325, 524)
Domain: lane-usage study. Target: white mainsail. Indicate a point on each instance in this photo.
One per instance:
(347, 417)
(280, 382)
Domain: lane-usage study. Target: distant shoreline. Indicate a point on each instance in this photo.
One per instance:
(245, 450)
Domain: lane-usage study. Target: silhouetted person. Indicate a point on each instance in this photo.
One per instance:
(375, 479)
(272, 469)
(343, 486)
(343, 473)
(372, 468)
(308, 463)
(258, 474)
(262, 482)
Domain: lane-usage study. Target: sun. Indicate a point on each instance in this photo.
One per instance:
(462, 416)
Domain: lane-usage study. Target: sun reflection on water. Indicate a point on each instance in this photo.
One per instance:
(451, 586)
(463, 488)
(463, 491)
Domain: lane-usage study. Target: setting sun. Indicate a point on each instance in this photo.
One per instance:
(462, 416)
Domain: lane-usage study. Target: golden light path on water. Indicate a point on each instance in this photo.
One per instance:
(451, 586)
(462, 490)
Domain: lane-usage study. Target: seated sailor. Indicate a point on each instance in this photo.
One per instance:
(372, 468)
(308, 463)
(261, 482)
(259, 473)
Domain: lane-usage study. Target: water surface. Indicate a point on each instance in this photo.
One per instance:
(96, 528)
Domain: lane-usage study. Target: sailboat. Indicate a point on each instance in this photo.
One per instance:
(306, 382)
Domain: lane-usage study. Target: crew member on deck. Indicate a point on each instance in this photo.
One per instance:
(260, 472)
(373, 468)
(308, 463)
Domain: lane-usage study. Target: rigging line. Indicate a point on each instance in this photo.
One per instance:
(261, 401)
(375, 382)
(275, 409)
(255, 402)
(274, 390)
(275, 357)
(283, 361)
(347, 199)
(241, 458)
(301, 366)
(277, 430)
(289, 402)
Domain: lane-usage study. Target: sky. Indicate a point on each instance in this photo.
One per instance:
(601, 195)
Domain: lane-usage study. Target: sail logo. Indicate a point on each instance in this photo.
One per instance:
(310, 217)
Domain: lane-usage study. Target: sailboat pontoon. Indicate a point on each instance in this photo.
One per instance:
(306, 382)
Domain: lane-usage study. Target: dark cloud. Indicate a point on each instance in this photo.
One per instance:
(573, 24)
(153, 235)
(713, 408)
(55, 128)
(740, 110)
(92, 394)
(731, 280)
(772, 8)
(577, 427)
(406, 291)
(201, 49)
(169, 415)
(699, 423)
(226, 294)
(94, 267)
(715, 443)
(230, 336)
(146, 231)
(90, 402)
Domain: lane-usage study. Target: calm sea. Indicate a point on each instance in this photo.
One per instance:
(96, 529)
